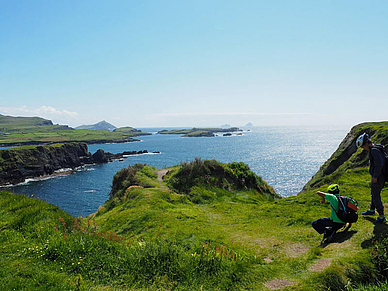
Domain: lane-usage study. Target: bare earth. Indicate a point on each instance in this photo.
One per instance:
(161, 173)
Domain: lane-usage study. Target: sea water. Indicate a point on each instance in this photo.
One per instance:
(286, 157)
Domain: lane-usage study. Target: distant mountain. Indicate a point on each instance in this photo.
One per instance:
(249, 124)
(100, 125)
(225, 126)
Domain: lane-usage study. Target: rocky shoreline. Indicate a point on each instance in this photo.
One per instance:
(43, 143)
(19, 164)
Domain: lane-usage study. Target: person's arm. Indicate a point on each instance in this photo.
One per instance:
(322, 195)
(378, 164)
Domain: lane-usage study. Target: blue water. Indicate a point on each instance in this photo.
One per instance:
(286, 157)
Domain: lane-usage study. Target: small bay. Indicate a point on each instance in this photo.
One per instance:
(286, 157)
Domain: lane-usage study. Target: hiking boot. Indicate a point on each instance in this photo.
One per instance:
(380, 220)
(328, 232)
(369, 212)
(331, 238)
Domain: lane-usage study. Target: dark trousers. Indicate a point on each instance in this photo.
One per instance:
(375, 193)
(323, 224)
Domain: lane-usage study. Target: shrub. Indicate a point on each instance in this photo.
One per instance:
(123, 179)
(210, 174)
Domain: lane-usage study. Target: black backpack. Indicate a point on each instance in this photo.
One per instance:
(385, 169)
(347, 209)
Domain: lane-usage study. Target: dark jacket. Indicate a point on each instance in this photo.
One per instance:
(376, 160)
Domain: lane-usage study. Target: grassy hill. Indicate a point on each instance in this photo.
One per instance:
(35, 130)
(347, 156)
(130, 131)
(9, 123)
(201, 225)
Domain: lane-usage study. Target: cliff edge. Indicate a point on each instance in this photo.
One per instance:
(19, 163)
(347, 156)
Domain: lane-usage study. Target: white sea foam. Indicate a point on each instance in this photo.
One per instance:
(64, 170)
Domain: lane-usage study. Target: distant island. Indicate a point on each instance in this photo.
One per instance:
(200, 132)
(226, 125)
(130, 131)
(249, 124)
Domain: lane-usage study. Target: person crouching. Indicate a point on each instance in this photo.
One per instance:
(328, 226)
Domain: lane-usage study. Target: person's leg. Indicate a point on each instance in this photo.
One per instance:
(331, 234)
(336, 226)
(376, 195)
(321, 224)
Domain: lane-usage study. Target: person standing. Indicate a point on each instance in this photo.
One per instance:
(376, 166)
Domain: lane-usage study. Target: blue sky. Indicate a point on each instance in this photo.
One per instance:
(195, 63)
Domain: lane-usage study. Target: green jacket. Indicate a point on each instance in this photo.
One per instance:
(334, 204)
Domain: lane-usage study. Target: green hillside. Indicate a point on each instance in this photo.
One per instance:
(200, 225)
(347, 156)
(34, 130)
(130, 131)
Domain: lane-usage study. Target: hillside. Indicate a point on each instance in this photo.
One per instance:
(10, 122)
(18, 131)
(201, 225)
(347, 156)
(130, 131)
(99, 125)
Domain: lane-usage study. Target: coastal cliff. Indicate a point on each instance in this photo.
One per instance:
(347, 156)
(17, 164)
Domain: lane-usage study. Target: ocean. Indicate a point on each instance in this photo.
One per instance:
(286, 157)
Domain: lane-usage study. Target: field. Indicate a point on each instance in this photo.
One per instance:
(34, 130)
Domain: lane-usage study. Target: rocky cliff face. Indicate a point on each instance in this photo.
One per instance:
(28, 162)
(18, 164)
(347, 156)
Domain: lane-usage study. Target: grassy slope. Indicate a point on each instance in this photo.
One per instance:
(26, 225)
(273, 239)
(34, 129)
(347, 156)
(278, 233)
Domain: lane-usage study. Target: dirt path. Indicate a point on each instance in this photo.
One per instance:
(321, 264)
(161, 173)
(278, 284)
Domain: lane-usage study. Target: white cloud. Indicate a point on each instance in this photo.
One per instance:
(48, 112)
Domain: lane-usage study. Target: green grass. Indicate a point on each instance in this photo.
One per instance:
(24, 130)
(48, 135)
(151, 235)
(129, 131)
(277, 234)
(347, 156)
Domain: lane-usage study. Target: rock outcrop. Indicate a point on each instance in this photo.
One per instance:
(29, 162)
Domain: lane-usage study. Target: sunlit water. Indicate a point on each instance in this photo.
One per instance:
(286, 157)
